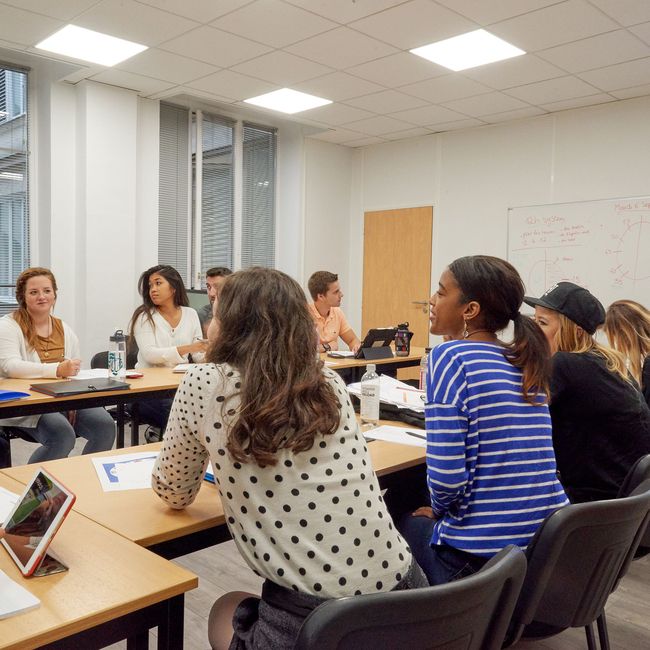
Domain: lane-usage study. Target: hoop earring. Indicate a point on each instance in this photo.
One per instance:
(465, 331)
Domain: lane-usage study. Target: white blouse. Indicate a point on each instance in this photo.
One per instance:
(157, 345)
(315, 522)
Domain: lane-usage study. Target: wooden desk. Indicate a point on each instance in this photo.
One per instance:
(156, 383)
(140, 515)
(383, 365)
(113, 589)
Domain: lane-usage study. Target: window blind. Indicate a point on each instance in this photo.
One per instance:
(258, 202)
(14, 184)
(173, 221)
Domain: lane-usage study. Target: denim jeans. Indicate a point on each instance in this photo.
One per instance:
(441, 563)
(57, 436)
(155, 412)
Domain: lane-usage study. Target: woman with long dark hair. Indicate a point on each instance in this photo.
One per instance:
(166, 330)
(601, 423)
(300, 497)
(490, 462)
(35, 344)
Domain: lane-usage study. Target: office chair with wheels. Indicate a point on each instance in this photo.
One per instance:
(575, 560)
(471, 613)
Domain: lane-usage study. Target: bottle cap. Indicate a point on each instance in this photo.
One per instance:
(371, 367)
(118, 336)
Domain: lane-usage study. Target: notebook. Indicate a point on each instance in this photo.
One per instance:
(8, 395)
(79, 386)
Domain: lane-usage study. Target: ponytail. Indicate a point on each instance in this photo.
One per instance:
(531, 353)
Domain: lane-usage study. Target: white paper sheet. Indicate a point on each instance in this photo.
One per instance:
(340, 354)
(7, 501)
(409, 436)
(14, 598)
(183, 367)
(125, 472)
(92, 373)
(392, 391)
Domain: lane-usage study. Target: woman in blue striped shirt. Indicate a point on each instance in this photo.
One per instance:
(491, 469)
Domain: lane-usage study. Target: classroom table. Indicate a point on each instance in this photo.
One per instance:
(358, 366)
(171, 533)
(113, 589)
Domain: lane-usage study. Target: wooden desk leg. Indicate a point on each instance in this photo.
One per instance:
(170, 632)
(139, 641)
(119, 442)
(135, 424)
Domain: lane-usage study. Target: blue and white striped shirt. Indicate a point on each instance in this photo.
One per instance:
(490, 460)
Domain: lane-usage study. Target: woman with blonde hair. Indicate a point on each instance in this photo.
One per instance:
(601, 424)
(35, 344)
(627, 326)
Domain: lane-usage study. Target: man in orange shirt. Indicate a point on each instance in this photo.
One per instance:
(330, 321)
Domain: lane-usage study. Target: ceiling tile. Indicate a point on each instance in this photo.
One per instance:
(338, 86)
(344, 11)
(186, 91)
(282, 68)
(597, 51)
(337, 136)
(398, 70)
(518, 114)
(622, 75)
(553, 90)
(387, 101)
(232, 84)
(554, 25)
(485, 104)
(635, 91)
(414, 23)
(455, 125)
(335, 114)
(429, 115)
(215, 46)
(590, 100)
(642, 31)
(203, 11)
(364, 142)
(341, 48)
(521, 70)
(407, 133)
(61, 9)
(166, 66)
(626, 12)
(492, 11)
(378, 125)
(273, 22)
(26, 28)
(445, 89)
(143, 85)
(133, 21)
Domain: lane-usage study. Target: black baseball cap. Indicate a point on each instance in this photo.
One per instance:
(574, 302)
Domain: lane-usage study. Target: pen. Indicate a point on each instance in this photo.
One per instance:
(415, 434)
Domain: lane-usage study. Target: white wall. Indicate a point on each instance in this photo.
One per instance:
(472, 177)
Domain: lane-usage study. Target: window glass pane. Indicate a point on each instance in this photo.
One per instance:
(258, 207)
(173, 219)
(216, 194)
(14, 206)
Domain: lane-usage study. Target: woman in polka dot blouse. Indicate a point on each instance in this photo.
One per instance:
(301, 499)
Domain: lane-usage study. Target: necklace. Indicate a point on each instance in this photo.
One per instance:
(468, 334)
(46, 346)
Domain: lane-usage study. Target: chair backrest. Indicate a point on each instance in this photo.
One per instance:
(100, 359)
(639, 472)
(468, 614)
(575, 560)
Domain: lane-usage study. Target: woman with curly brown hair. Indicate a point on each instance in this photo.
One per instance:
(300, 497)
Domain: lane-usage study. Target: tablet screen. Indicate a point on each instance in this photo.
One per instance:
(34, 520)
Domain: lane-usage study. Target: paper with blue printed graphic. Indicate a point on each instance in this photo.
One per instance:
(126, 471)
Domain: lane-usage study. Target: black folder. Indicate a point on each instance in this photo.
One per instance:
(79, 386)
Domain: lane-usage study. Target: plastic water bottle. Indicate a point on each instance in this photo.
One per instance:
(370, 396)
(117, 356)
(424, 362)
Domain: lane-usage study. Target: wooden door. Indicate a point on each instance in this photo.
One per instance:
(397, 271)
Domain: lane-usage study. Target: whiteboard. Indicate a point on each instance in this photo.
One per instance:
(602, 245)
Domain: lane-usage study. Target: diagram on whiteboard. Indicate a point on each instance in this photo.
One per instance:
(602, 245)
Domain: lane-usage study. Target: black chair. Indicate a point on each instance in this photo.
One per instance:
(575, 561)
(471, 613)
(100, 359)
(639, 472)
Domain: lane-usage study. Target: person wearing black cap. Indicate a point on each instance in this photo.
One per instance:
(601, 424)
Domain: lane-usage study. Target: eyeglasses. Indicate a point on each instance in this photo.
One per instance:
(326, 347)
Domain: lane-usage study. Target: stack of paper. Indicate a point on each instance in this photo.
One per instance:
(183, 367)
(400, 435)
(393, 391)
(14, 598)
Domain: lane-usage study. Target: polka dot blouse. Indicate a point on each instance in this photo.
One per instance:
(315, 522)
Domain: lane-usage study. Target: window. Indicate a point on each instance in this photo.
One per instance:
(14, 205)
(217, 193)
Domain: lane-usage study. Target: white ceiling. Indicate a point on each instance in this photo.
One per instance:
(355, 52)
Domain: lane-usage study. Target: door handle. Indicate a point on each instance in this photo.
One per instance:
(420, 302)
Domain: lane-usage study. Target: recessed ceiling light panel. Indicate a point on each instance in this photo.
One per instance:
(289, 101)
(87, 45)
(468, 50)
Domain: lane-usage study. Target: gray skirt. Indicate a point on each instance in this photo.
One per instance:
(274, 620)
